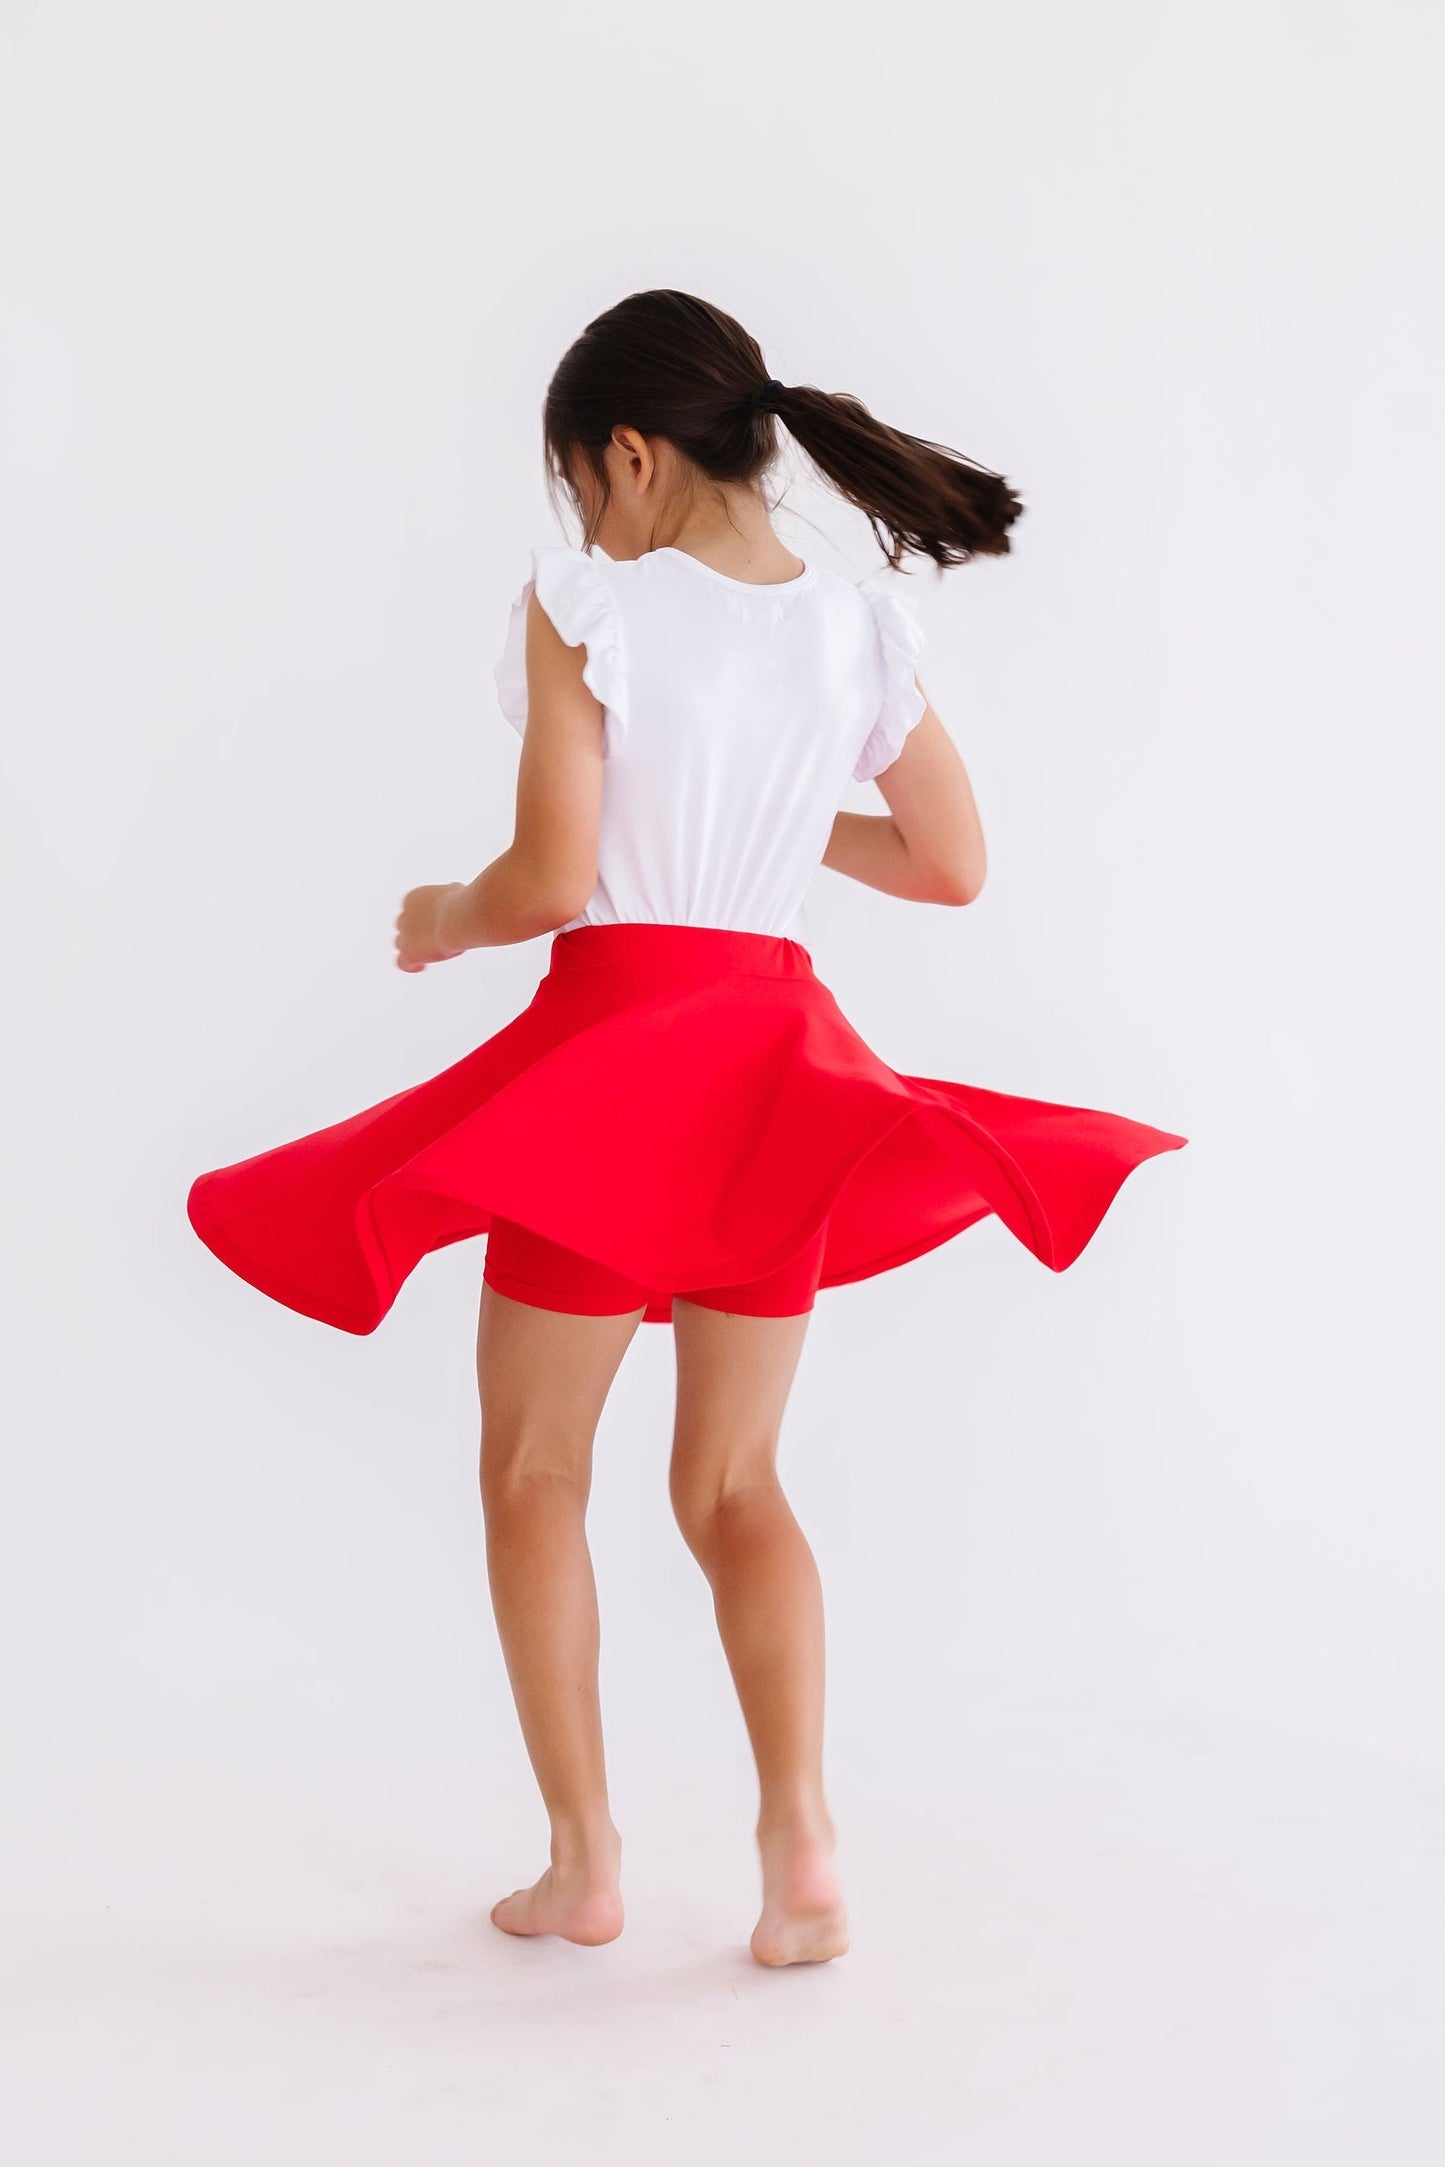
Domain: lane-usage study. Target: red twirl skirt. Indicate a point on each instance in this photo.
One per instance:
(685, 1104)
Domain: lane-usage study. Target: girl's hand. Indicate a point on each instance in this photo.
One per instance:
(419, 927)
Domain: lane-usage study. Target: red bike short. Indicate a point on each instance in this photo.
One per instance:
(523, 1265)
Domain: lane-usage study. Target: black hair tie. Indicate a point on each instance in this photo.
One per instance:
(765, 401)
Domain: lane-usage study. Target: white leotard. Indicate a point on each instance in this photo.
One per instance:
(734, 717)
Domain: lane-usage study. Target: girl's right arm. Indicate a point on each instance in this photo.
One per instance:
(549, 869)
(928, 846)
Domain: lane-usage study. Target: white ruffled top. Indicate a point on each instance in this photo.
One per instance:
(734, 717)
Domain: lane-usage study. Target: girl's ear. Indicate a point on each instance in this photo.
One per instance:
(637, 462)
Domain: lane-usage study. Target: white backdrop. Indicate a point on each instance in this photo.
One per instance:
(1132, 1573)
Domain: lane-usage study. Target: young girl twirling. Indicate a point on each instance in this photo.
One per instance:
(682, 1127)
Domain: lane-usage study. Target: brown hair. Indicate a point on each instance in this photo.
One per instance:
(670, 365)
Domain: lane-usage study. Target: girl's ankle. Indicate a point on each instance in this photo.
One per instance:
(582, 1844)
(797, 1822)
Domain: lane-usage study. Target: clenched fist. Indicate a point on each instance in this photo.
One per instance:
(419, 935)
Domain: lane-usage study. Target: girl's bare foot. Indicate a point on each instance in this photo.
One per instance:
(803, 1917)
(577, 1898)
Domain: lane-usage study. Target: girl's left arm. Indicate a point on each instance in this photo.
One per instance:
(549, 869)
(929, 846)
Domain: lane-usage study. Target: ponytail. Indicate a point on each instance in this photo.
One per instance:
(670, 365)
(920, 499)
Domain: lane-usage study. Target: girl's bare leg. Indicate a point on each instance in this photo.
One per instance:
(734, 1374)
(543, 1378)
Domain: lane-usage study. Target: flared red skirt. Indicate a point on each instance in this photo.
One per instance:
(687, 1105)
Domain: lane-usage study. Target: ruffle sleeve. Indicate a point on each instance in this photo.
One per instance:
(572, 588)
(901, 641)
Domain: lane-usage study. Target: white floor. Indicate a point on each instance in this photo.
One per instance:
(1128, 1942)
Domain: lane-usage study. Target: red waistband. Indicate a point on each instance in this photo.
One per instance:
(646, 945)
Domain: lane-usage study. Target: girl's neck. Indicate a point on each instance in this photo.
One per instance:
(736, 539)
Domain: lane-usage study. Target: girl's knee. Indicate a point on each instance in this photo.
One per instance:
(520, 1466)
(702, 1498)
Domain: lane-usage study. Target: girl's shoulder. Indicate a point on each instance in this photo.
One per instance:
(892, 605)
(569, 574)
(593, 599)
(878, 603)
(573, 589)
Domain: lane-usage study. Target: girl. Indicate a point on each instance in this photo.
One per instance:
(682, 1126)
